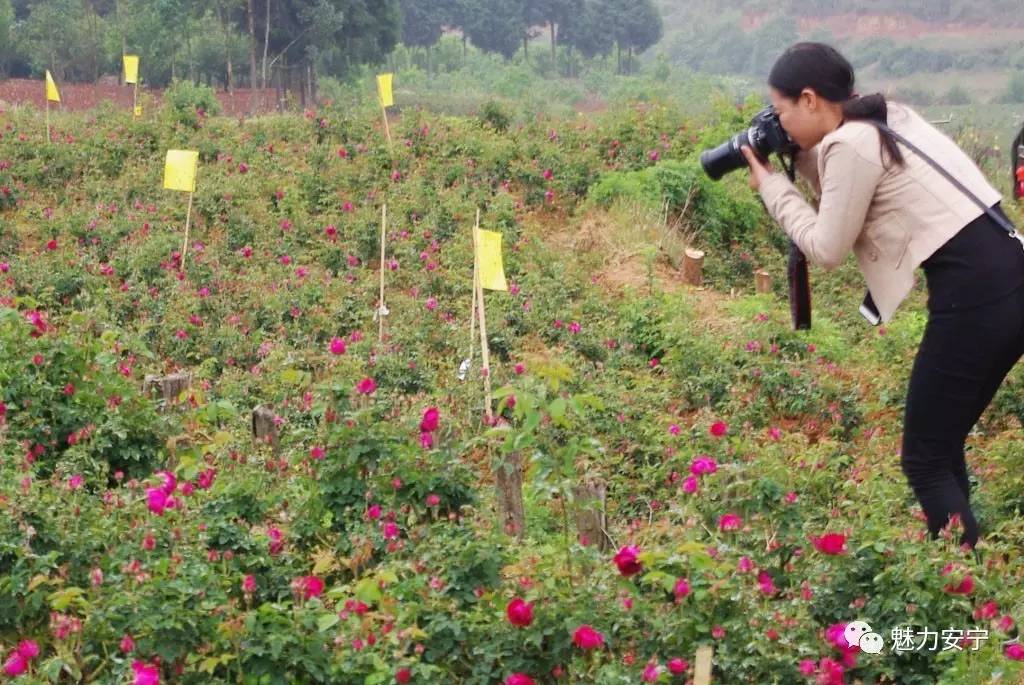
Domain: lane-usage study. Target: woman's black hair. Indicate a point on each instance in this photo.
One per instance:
(821, 68)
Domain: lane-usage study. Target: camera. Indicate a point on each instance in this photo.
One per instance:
(764, 137)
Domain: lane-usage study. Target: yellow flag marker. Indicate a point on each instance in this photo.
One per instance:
(180, 170)
(52, 94)
(384, 90)
(180, 174)
(387, 98)
(492, 273)
(131, 75)
(131, 68)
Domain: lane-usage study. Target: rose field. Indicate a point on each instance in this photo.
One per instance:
(669, 467)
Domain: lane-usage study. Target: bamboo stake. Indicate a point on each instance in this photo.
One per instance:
(188, 221)
(380, 308)
(484, 351)
(387, 128)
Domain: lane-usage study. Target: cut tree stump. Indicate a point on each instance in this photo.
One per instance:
(170, 386)
(763, 281)
(508, 478)
(693, 266)
(263, 427)
(590, 514)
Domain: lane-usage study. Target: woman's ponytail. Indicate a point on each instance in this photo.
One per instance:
(873, 108)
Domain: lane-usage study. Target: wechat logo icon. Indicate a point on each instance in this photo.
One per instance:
(858, 634)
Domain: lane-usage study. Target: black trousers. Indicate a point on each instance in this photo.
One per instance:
(963, 358)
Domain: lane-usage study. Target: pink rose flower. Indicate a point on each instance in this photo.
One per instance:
(627, 561)
(519, 612)
(585, 637)
(519, 679)
(830, 543)
(430, 420)
(729, 522)
(145, 674)
(15, 665)
(702, 465)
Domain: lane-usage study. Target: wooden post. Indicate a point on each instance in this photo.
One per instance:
(693, 266)
(590, 514)
(383, 237)
(135, 99)
(762, 281)
(47, 120)
(484, 350)
(508, 480)
(188, 221)
(702, 668)
(170, 386)
(263, 427)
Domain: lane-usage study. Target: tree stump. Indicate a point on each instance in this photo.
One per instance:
(263, 427)
(693, 266)
(590, 514)
(170, 386)
(762, 281)
(508, 478)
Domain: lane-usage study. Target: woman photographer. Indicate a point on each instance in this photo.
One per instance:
(896, 212)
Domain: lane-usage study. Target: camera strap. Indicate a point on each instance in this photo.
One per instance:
(867, 308)
(1002, 221)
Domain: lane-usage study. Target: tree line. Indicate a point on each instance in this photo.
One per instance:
(234, 43)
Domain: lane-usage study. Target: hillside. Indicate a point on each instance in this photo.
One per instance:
(947, 53)
(218, 466)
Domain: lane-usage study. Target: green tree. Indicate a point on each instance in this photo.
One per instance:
(590, 31)
(496, 25)
(67, 37)
(369, 32)
(7, 51)
(423, 24)
(638, 26)
(552, 13)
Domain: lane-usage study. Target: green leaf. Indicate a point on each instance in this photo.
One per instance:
(557, 409)
(377, 678)
(367, 591)
(62, 599)
(502, 392)
(209, 664)
(327, 621)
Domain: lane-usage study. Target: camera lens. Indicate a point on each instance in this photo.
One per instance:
(726, 157)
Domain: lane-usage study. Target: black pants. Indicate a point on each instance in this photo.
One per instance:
(963, 358)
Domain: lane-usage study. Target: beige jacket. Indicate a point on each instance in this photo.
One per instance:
(892, 219)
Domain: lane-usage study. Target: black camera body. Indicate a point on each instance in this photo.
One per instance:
(764, 137)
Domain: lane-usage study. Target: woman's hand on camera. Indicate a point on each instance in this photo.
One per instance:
(759, 170)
